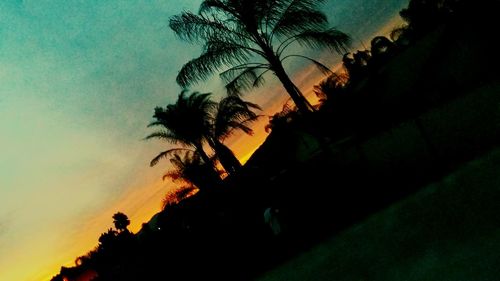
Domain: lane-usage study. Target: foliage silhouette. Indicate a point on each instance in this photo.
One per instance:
(421, 16)
(121, 222)
(186, 122)
(194, 120)
(107, 261)
(356, 64)
(381, 45)
(400, 35)
(235, 32)
(190, 169)
(176, 196)
(381, 49)
(231, 114)
(331, 87)
(107, 238)
(280, 119)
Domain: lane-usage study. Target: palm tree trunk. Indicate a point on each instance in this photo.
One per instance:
(298, 98)
(211, 178)
(204, 156)
(227, 159)
(277, 67)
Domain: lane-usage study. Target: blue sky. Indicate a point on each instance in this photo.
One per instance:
(78, 83)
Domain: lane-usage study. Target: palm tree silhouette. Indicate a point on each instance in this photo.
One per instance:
(121, 222)
(191, 170)
(187, 122)
(235, 31)
(195, 119)
(231, 113)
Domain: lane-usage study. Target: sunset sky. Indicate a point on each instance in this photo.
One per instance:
(78, 83)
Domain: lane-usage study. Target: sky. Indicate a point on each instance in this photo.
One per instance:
(78, 83)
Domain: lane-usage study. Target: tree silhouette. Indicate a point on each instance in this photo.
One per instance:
(280, 119)
(331, 87)
(236, 31)
(356, 64)
(424, 15)
(186, 123)
(107, 239)
(176, 196)
(381, 50)
(191, 170)
(121, 222)
(195, 119)
(231, 113)
(381, 45)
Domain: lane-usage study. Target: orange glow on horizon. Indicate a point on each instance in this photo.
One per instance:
(142, 202)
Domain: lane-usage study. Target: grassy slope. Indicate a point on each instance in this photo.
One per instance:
(450, 230)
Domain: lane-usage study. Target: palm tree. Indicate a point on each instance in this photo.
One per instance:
(195, 119)
(235, 31)
(121, 222)
(186, 122)
(191, 170)
(231, 113)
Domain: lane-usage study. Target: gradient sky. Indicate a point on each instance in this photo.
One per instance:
(78, 83)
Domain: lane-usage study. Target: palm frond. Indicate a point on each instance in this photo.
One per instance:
(252, 105)
(245, 80)
(177, 161)
(234, 31)
(164, 135)
(188, 167)
(177, 195)
(198, 103)
(233, 113)
(331, 38)
(165, 154)
(186, 122)
(269, 13)
(298, 16)
(229, 74)
(323, 68)
(242, 125)
(154, 124)
(173, 175)
(237, 126)
(216, 55)
(260, 79)
(199, 28)
(211, 6)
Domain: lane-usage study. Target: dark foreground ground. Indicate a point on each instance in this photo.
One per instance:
(450, 230)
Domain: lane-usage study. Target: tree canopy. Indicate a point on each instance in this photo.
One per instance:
(243, 40)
